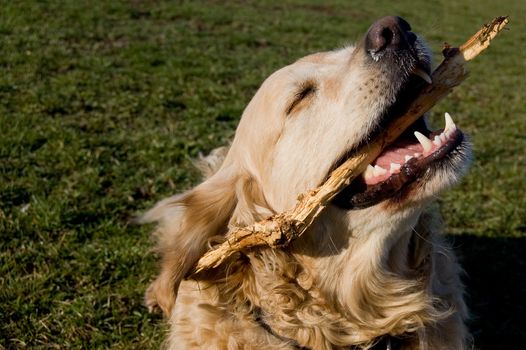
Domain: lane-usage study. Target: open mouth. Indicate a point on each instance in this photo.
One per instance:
(418, 153)
(415, 153)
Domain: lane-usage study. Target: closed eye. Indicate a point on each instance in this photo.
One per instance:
(306, 91)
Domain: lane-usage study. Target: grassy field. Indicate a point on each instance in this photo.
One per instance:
(104, 104)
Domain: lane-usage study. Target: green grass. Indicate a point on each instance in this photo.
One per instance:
(104, 104)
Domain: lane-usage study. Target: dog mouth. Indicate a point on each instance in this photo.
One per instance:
(416, 153)
(418, 156)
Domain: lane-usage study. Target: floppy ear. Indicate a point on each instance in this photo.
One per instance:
(188, 221)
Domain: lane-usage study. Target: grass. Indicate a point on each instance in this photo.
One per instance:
(104, 104)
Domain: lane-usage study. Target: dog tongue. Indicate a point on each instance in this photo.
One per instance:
(397, 153)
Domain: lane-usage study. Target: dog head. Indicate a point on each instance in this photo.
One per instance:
(304, 121)
(308, 117)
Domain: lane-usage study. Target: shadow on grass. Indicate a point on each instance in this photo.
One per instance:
(496, 288)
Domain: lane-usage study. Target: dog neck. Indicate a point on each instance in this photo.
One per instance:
(386, 342)
(382, 296)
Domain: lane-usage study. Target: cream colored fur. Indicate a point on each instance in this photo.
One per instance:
(354, 276)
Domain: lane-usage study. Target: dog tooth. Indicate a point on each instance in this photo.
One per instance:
(450, 124)
(378, 170)
(417, 155)
(369, 172)
(443, 137)
(394, 167)
(437, 141)
(408, 158)
(423, 74)
(424, 141)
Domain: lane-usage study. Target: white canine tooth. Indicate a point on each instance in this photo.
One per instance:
(422, 74)
(417, 155)
(408, 158)
(437, 141)
(443, 137)
(394, 167)
(379, 171)
(369, 172)
(450, 125)
(424, 141)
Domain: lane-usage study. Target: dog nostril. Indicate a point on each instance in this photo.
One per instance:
(388, 32)
(387, 36)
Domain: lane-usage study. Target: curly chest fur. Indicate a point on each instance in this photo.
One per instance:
(274, 299)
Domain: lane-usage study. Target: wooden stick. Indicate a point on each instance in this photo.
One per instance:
(279, 230)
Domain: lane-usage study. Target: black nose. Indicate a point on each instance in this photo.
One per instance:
(390, 32)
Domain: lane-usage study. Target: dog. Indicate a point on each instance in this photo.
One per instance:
(373, 272)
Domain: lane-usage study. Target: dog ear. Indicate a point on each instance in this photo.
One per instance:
(188, 221)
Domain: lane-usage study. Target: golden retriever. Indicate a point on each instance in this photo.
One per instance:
(373, 272)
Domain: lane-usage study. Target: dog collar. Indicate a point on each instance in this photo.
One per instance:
(384, 342)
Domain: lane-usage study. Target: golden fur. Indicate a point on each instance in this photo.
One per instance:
(355, 276)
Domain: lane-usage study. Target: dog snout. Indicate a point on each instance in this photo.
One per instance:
(389, 33)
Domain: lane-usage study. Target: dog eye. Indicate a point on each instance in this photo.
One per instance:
(306, 90)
